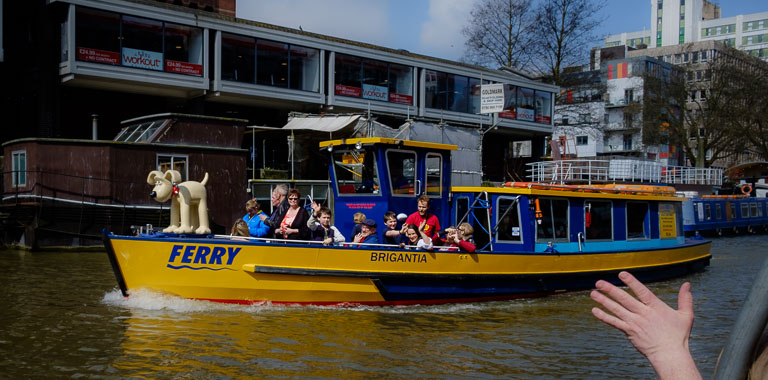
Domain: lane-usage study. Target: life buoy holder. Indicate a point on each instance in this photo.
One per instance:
(746, 189)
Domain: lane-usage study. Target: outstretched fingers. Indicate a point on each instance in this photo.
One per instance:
(610, 319)
(620, 296)
(685, 299)
(641, 291)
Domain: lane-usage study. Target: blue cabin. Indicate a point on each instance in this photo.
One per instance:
(725, 213)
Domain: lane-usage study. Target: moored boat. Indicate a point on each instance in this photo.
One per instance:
(532, 240)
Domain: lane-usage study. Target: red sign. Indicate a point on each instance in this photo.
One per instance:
(348, 90)
(543, 119)
(183, 67)
(402, 99)
(508, 114)
(96, 55)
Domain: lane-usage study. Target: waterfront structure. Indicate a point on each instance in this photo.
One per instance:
(678, 22)
(122, 59)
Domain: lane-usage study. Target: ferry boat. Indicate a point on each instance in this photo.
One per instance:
(532, 240)
(719, 214)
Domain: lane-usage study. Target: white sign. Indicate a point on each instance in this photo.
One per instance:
(491, 98)
(375, 92)
(144, 59)
(524, 114)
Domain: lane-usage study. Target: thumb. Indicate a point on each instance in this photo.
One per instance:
(685, 299)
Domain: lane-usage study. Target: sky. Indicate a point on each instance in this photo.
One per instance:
(429, 27)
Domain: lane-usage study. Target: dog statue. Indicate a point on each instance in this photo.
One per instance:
(189, 209)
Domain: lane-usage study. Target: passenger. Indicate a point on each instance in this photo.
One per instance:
(415, 235)
(423, 215)
(391, 234)
(320, 226)
(459, 237)
(279, 205)
(368, 233)
(293, 226)
(358, 218)
(240, 228)
(256, 227)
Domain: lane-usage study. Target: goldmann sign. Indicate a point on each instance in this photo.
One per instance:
(491, 98)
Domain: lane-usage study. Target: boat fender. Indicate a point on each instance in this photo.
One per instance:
(746, 189)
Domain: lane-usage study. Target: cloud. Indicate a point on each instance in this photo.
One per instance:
(358, 20)
(441, 33)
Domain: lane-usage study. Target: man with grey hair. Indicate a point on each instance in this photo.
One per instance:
(280, 207)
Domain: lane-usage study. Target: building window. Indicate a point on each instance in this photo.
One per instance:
(110, 38)
(271, 63)
(304, 69)
(543, 107)
(238, 58)
(582, 140)
(606, 119)
(374, 80)
(628, 142)
(703, 95)
(628, 120)
(629, 96)
(173, 162)
(565, 120)
(19, 168)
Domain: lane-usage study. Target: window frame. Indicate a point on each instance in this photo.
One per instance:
(16, 172)
(646, 221)
(439, 177)
(415, 173)
(613, 234)
(521, 239)
(174, 156)
(554, 238)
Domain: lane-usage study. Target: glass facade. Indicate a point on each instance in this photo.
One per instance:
(527, 104)
(269, 63)
(452, 92)
(373, 80)
(114, 39)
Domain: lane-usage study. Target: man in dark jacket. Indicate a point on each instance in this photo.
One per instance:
(280, 207)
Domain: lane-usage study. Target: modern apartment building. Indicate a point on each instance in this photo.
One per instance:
(677, 22)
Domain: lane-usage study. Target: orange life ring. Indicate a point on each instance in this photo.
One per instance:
(746, 189)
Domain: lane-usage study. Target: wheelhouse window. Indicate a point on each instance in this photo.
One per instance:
(434, 175)
(175, 162)
(598, 220)
(356, 172)
(637, 220)
(707, 212)
(718, 212)
(462, 206)
(554, 220)
(508, 220)
(754, 210)
(745, 210)
(402, 172)
(19, 168)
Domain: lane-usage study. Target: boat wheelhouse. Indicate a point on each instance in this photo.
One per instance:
(532, 240)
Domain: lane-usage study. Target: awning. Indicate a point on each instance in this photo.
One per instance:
(322, 123)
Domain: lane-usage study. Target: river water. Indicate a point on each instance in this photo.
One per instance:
(61, 315)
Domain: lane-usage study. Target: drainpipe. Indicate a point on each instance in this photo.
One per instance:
(95, 126)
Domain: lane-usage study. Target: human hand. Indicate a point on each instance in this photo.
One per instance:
(262, 217)
(658, 331)
(359, 237)
(315, 206)
(327, 241)
(422, 224)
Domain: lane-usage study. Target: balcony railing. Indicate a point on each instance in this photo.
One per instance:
(621, 170)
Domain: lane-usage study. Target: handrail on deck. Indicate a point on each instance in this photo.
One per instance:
(624, 170)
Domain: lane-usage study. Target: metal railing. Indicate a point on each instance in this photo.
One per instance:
(621, 170)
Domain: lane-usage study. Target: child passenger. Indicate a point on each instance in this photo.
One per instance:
(252, 218)
(391, 234)
(358, 218)
(320, 227)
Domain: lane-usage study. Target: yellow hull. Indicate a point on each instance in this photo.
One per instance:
(245, 272)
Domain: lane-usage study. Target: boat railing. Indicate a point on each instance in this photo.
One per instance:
(621, 170)
(316, 242)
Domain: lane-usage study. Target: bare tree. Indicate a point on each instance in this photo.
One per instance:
(562, 33)
(498, 34)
